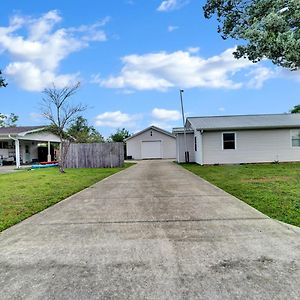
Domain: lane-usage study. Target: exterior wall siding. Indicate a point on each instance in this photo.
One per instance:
(252, 146)
(199, 152)
(180, 147)
(41, 136)
(168, 144)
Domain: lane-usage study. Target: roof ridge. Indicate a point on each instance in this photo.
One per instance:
(25, 126)
(249, 115)
(151, 127)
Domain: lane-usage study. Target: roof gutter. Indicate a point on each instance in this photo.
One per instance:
(32, 131)
(13, 138)
(249, 128)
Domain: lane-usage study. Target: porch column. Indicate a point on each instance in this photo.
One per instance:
(17, 147)
(49, 152)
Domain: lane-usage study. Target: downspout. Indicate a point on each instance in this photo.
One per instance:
(17, 148)
(201, 146)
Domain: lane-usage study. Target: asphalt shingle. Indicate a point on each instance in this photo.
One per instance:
(246, 121)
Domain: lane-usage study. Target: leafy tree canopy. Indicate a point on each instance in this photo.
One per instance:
(119, 136)
(295, 109)
(83, 133)
(8, 120)
(2, 81)
(269, 27)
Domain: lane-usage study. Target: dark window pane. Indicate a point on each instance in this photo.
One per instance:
(228, 141)
(228, 137)
(196, 143)
(296, 143)
(296, 138)
(229, 145)
(296, 134)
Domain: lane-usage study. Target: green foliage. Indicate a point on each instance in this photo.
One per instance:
(2, 81)
(25, 193)
(269, 27)
(273, 189)
(119, 136)
(295, 109)
(83, 133)
(8, 121)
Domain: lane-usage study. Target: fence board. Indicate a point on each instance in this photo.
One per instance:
(97, 155)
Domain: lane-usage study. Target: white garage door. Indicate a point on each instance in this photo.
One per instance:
(151, 149)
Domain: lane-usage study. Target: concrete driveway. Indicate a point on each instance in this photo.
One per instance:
(153, 231)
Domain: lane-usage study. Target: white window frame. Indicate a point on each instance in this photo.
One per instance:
(291, 137)
(232, 132)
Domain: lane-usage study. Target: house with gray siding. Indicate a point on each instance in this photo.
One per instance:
(239, 139)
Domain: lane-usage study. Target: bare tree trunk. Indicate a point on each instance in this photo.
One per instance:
(61, 149)
(64, 148)
(56, 109)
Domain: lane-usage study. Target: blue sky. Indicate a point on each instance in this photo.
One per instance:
(132, 57)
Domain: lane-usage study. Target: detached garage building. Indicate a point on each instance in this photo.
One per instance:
(151, 143)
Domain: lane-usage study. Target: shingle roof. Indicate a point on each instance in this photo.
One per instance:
(18, 130)
(154, 128)
(246, 122)
(181, 130)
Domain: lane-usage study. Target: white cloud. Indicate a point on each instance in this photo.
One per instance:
(221, 109)
(287, 74)
(32, 78)
(180, 69)
(169, 5)
(166, 115)
(172, 28)
(116, 119)
(193, 50)
(36, 48)
(162, 125)
(259, 76)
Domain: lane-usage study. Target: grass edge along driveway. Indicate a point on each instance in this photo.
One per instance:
(273, 189)
(25, 193)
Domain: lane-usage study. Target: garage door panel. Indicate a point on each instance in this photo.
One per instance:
(151, 149)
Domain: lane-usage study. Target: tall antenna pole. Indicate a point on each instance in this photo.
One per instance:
(186, 153)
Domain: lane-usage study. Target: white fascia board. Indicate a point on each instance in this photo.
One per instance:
(31, 131)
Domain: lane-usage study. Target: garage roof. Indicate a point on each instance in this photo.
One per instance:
(245, 122)
(151, 128)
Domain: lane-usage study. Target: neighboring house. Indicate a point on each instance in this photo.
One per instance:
(240, 139)
(26, 144)
(151, 143)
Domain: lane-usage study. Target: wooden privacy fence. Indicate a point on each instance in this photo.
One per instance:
(97, 155)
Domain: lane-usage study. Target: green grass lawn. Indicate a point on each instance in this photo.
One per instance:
(25, 193)
(273, 189)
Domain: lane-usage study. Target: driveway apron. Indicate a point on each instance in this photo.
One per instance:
(153, 231)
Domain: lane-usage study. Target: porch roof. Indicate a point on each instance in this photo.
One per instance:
(32, 133)
(20, 130)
